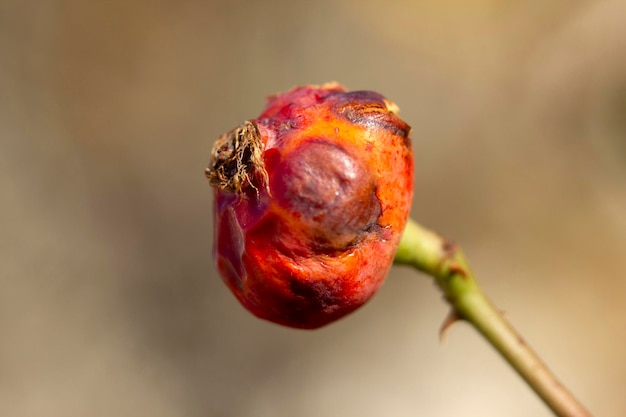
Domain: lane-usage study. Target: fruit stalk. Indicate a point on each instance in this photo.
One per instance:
(434, 255)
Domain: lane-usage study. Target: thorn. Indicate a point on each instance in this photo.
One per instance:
(455, 268)
(450, 319)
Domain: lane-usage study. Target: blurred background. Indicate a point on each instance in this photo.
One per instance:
(109, 302)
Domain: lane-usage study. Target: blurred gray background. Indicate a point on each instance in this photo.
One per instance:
(109, 302)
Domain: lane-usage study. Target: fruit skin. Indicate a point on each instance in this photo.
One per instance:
(307, 230)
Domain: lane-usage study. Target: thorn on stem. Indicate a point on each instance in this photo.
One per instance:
(450, 319)
(455, 268)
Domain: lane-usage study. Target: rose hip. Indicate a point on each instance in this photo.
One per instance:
(311, 199)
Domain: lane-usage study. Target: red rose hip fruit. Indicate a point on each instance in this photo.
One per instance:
(311, 199)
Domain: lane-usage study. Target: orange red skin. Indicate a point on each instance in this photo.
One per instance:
(272, 252)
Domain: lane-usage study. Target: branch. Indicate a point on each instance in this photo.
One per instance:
(430, 253)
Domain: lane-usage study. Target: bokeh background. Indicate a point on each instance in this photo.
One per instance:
(109, 302)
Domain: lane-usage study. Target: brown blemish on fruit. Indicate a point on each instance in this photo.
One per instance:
(374, 111)
(317, 293)
(330, 190)
(236, 160)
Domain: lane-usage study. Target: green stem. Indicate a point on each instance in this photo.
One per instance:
(428, 252)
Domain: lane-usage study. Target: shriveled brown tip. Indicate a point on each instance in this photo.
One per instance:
(236, 160)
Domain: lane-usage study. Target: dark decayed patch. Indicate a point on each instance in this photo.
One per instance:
(372, 110)
(330, 190)
(318, 293)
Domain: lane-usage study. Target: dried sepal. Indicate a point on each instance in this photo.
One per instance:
(237, 160)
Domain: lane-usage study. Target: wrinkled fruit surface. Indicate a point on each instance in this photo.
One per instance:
(311, 199)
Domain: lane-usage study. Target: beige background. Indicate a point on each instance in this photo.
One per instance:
(109, 302)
